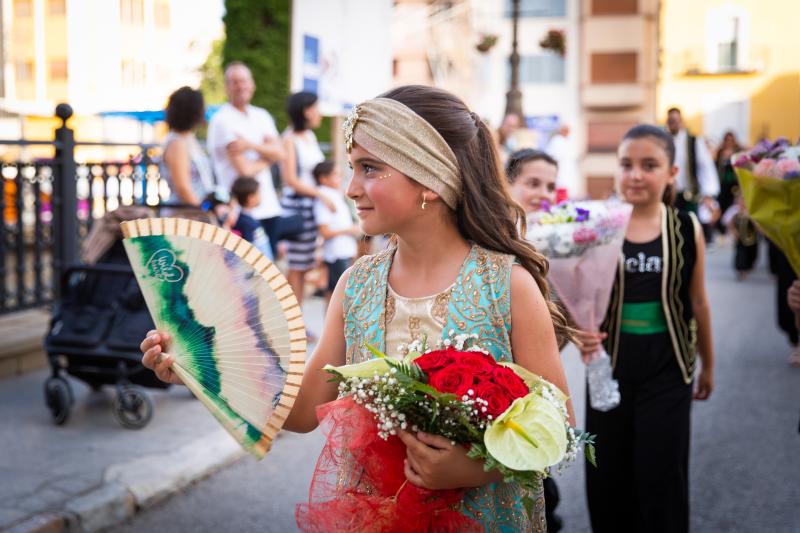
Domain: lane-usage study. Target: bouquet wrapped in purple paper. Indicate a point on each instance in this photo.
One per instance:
(583, 242)
(769, 177)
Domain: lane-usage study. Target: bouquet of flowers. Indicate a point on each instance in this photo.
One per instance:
(769, 178)
(512, 419)
(583, 241)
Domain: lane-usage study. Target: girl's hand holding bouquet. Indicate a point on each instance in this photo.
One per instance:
(422, 430)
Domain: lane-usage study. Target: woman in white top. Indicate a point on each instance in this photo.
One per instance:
(300, 189)
(184, 164)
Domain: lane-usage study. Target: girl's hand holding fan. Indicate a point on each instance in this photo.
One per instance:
(154, 356)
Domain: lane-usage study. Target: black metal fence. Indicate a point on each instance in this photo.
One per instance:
(48, 206)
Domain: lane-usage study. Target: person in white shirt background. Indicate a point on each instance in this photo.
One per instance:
(697, 181)
(336, 226)
(244, 142)
(563, 150)
(506, 136)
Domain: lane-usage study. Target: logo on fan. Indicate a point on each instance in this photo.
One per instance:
(162, 266)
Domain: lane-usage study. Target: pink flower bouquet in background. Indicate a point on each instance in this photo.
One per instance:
(769, 177)
(583, 242)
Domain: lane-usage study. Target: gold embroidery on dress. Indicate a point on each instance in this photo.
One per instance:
(440, 305)
(413, 328)
(391, 309)
(480, 303)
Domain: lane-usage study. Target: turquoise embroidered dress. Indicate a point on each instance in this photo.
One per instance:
(479, 302)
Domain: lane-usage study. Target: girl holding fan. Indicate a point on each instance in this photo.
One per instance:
(426, 171)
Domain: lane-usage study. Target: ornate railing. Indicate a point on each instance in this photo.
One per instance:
(48, 206)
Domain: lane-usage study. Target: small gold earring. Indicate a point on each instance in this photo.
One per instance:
(424, 201)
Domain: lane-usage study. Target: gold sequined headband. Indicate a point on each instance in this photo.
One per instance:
(404, 140)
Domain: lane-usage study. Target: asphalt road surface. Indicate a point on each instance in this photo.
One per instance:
(745, 462)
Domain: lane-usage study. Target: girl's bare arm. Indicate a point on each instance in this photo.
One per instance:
(533, 338)
(316, 388)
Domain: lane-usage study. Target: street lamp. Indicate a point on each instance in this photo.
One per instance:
(514, 95)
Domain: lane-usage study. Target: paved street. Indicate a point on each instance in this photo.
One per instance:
(745, 464)
(52, 467)
(48, 465)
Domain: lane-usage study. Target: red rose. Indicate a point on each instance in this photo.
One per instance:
(435, 360)
(498, 399)
(510, 381)
(481, 364)
(455, 378)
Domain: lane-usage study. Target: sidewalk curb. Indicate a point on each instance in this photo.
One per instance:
(138, 484)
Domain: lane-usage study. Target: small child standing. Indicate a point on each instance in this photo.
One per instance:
(336, 227)
(245, 191)
(746, 237)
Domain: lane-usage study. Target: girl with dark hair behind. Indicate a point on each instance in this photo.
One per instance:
(532, 175)
(425, 170)
(184, 164)
(657, 319)
(300, 189)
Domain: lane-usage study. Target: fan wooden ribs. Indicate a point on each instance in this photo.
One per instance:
(238, 337)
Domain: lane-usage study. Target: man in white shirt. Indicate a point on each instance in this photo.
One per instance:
(244, 142)
(697, 176)
(560, 148)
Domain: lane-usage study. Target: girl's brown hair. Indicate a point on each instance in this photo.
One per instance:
(486, 215)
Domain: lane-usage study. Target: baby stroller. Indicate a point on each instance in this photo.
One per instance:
(96, 328)
(97, 325)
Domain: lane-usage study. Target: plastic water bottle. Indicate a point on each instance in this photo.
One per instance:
(603, 388)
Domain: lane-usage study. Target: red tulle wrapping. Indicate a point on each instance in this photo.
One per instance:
(359, 484)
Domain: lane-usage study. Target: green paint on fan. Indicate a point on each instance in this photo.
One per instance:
(164, 264)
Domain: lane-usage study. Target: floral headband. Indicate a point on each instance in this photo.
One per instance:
(404, 140)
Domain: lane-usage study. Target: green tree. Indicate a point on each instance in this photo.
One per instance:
(212, 82)
(258, 34)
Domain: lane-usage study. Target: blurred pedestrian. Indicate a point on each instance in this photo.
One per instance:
(506, 136)
(785, 277)
(245, 191)
(697, 175)
(745, 235)
(563, 151)
(335, 225)
(244, 141)
(300, 189)
(728, 184)
(184, 164)
(793, 299)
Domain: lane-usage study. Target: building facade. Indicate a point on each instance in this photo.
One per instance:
(99, 55)
(732, 66)
(465, 46)
(619, 70)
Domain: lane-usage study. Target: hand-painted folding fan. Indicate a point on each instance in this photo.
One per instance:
(238, 338)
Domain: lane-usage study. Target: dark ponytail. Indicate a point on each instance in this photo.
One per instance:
(487, 214)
